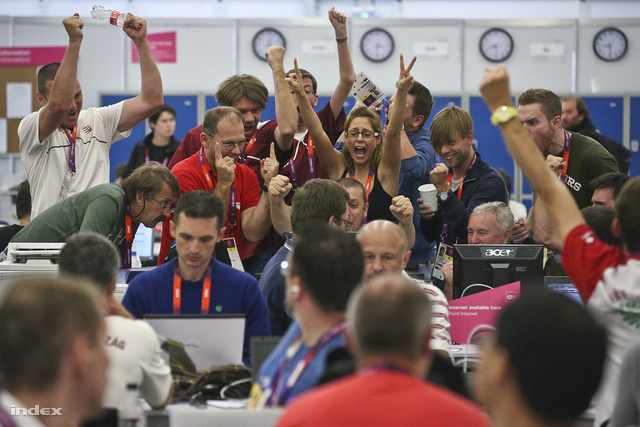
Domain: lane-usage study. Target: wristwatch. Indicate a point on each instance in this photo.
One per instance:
(442, 197)
(265, 187)
(503, 115)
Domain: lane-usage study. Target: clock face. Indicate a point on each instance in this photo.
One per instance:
(377, 45)
(496, 45)
(264, 39)
(610, 44)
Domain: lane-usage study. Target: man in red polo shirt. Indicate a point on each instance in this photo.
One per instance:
(214, 168)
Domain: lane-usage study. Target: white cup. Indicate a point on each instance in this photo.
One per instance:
(428, 193)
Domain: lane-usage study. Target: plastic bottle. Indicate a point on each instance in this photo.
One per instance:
(111, 16)
(131, 413)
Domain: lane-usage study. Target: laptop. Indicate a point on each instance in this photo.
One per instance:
(208, 339)
(261, 347)
(563, 285)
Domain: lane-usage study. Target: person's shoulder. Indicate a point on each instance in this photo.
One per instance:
(186, 165)
(232, 276)
(153, 277)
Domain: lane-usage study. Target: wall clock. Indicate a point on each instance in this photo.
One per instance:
(265, 38)
(496, 44)
(610, 44)
(377, 45)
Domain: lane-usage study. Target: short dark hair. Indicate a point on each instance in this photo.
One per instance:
(613, 180)
(200, 204)
(581, 107)
(165, 108)
(389, 315)
(329, 263)
(214, 116)
(46, 74)
(348, 182)
(556, 351)
(550, 104)
(317, 201)
(90, 256)
(422, 103)
(600, 218)
(23, 200)
(628, 214)
(41, 317)
(149, 179)
(242, 86)
(307, 74)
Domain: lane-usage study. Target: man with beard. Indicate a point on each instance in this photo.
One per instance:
(115, 211)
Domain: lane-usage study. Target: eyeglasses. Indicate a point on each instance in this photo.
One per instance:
(165, 206)
(345, 224)
(367, 134)
(231, 145)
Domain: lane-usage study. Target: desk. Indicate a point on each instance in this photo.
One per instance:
(182, 414)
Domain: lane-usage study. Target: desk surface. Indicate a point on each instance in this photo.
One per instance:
(183, 414)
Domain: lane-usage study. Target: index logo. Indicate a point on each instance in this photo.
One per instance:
(37, 410)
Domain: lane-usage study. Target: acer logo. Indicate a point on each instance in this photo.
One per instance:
(498, 252)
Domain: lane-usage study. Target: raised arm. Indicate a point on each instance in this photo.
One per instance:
(561, 206)
(389, 168)
(402, 210)
(279, 187)
(137, 109)
(286, 113)
(62, 92)
(257, 220)
(345, 64)
(332, 160)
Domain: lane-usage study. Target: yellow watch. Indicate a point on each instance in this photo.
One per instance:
(503, 115)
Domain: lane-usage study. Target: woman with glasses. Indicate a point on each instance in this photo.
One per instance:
(366, 157)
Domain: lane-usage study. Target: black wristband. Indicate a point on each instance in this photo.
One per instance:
(265, 187)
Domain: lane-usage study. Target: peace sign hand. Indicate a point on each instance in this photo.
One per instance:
(406, 79)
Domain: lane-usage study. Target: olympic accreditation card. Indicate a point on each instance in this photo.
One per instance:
(444, 255)
(366, 91)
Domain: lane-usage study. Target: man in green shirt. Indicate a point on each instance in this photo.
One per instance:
(146, 197)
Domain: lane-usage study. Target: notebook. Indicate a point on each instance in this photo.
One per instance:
(563, 285)
(208, 339)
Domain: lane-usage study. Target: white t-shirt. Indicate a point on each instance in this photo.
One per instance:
(46, 162)
(134, 357)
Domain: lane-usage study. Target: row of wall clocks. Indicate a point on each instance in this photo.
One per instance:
(496, 44)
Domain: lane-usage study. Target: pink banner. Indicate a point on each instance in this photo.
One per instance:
(163, 47)
(26, 56)
(484, 307)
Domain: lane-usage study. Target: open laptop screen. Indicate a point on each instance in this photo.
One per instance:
(208, 339)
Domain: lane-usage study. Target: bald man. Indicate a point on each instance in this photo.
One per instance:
(386, 249)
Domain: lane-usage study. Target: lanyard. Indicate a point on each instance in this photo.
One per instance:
(450, 176)
(5, 418)
(279, 390)
(72, 147)
(232, 193)
(126, 262)
(312, 168)
(248, 148)
(177, 290)
(367, 187)
(165, 162)
(565, 156)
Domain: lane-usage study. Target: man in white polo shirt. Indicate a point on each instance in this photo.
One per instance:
(66, 149)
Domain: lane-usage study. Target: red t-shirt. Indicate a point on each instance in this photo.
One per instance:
(191, 177)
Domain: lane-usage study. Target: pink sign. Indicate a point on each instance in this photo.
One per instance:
(163, 47)
(484, 307)
(26, 56)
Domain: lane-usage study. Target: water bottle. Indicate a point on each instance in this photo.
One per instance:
(131, 413)
(111, 16)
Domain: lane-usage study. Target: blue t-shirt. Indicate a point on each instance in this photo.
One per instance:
(414, 171)
(232, 292)
(313, 372)
(272, 287)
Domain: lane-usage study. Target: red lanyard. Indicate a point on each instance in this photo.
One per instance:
(147, 159)
(312, 169)
(565, 156)
(177, 290)
(72, 147)
(206, 170)
(450, 176)
(367, 187)
(279, 390)
(128, 229)
(247, 149)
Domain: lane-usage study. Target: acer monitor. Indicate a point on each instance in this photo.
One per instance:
(480, 267)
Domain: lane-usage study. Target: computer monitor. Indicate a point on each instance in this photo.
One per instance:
(480, 267)
(144, 243)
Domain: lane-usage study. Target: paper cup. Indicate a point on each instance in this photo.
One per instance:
(428, 193)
